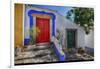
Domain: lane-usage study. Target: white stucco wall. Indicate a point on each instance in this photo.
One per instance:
(89, 39)
(81, 37)
(62, 23)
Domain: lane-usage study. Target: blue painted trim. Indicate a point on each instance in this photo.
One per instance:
(30, 12)
(53, 26)
(26, 41)
(58, 54)
(42, 12)
(89, 51)
(31, 21)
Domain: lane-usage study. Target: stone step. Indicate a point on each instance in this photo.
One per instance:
(35, 47)
(36, 54)
(46, 58)
(30, 54)
(31, 61)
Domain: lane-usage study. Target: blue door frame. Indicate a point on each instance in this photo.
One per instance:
(26, 41)
(30, 12)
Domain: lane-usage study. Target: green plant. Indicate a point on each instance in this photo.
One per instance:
(83, 17)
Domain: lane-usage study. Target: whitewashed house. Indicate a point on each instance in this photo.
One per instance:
(45, 23)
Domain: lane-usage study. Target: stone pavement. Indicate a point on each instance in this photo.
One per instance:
(35, 54)
(44, 53)
(74, 55)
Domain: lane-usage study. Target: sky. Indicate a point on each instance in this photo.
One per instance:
(60, 9)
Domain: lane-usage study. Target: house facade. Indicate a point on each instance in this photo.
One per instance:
(34, 25)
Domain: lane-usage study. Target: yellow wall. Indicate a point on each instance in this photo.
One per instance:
(18, 27)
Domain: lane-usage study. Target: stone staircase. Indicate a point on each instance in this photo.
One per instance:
(36, 54)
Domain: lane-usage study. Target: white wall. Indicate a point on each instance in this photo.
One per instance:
(62, 23)
(89, 39)
(81, 37)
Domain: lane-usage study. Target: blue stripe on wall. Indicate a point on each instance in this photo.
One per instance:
(31, 21)
(26, 41)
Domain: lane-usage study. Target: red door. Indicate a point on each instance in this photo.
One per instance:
(44, 30)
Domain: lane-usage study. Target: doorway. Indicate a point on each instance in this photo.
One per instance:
(43, 24)
(71, 38)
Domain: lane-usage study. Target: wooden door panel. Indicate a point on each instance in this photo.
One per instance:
(44, 26)
(71, 39)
